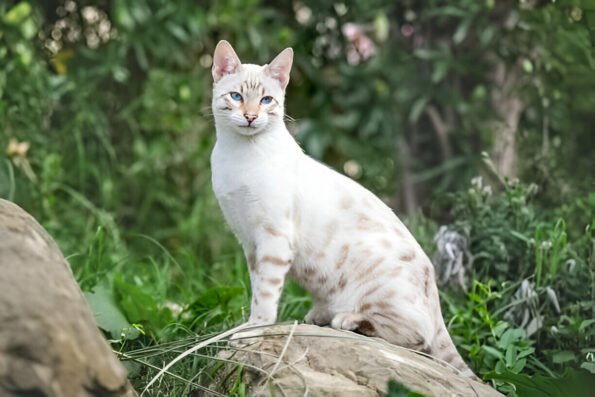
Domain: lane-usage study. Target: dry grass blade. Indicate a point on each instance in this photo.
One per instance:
(192, 350)
(290, 335)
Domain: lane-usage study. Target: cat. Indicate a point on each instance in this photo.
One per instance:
(295, 216)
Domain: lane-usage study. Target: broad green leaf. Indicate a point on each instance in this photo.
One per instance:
(499, 329)
(440, 70)
(417, 108)
(177, 31)
(122, 14)
(526, 352)
(216, 297)
(140, 306)
(510, 336)
(18, 13)
(493, 352)
(425, 54)
(462, 30)
(108, 315)
(586, 324)
(449, 10)
(510, 355)
(28, 28)
(572, 383)
(381, 27)
(563, 356)
(527, 66)
(519, 365)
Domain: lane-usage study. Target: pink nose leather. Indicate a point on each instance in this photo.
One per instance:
(250, 117)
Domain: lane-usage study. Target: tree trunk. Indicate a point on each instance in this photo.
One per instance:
(509, 109)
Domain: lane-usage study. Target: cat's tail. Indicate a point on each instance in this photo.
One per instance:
(444, 349)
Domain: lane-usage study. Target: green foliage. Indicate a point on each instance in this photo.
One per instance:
(140, 307)
(218, 305)
(108, 314)
(397, 390)
(535, 327)
(496, 226)
(105, 136)
(572, 383)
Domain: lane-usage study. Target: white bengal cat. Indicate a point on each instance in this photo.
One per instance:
(295, 216)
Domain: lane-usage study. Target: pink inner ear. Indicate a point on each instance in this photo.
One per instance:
(281, 66)
(225, 61)
(227, 66)
(280, 76)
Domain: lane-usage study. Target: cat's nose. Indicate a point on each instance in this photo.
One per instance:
(250, 117)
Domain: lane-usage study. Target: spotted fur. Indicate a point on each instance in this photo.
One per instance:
(297, 217)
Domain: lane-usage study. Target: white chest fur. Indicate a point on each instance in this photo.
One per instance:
(254, 180)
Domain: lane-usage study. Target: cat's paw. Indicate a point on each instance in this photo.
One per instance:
(318, 316)
(356, 322)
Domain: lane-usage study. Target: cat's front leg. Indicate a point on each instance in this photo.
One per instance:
(273, 261)
(268, 268)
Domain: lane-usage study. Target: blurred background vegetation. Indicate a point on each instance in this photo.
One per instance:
(476, 116)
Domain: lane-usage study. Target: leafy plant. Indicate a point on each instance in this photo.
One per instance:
(548, 325)
(397, 390)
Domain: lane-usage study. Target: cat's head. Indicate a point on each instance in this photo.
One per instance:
(248, 99)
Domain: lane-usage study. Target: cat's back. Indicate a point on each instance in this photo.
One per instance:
(334, 210)
(337, 195)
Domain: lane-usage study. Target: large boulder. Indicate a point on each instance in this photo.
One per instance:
(328, 362)
(49, 342)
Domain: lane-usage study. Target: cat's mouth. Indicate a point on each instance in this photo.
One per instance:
(248, 130)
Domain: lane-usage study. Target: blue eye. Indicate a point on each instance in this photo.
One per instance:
(236, 96)
(266, 100)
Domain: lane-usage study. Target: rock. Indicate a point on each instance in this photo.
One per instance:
(49, 342)
(328, 362)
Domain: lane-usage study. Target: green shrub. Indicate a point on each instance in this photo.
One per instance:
(530, 306)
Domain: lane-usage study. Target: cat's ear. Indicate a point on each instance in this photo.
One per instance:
(225, 61)
(280, 67)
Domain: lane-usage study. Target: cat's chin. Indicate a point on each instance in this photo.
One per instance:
(248, 131)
